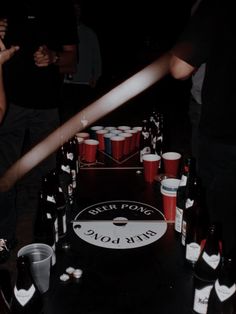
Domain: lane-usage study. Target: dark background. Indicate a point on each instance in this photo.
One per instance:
(134, 33)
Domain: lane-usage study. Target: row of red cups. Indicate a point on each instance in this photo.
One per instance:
(117, 142)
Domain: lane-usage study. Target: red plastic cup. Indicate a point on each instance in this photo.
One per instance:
(93, 131)
(123, 128)
(134, 137)
(90, 150)
(116, 132)
(169, 188)
(171, 161)
(117, 146)
(84, 135)
(150, 166)
(100, 138)
(138, 135)
(127, 143)
(80, 146)
(169, 205)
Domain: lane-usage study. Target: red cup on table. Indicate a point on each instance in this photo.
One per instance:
(116, 132)
(133, 141)
(90, 150)
(100, 138)
(93, 131)
(127, 143)
(117, 146)
(123, 128)
(169, 188)
(109, 128)
(171, 162)
(80, 147)
(138, 135)
(150, 166)
(84, 135)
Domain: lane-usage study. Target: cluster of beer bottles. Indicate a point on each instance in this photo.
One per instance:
(151, 140)
(214, 288)
(58, 198)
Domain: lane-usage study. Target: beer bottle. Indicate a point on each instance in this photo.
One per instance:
(72, 157)
(206, 270)
(145, 140)
(49, 188)
(26, 297)
(194, 227)
(44, 226)
(4, 306)
(222, 296)
(159, 129)
(5, 291)
(181, 195)
(64, 172)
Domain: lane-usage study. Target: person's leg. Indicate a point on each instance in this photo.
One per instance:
(12, 133)
(41, 124)
(217, 166)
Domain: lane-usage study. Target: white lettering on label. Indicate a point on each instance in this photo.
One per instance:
(140, 237)
(101, 209)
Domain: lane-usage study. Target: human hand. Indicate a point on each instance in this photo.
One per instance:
(3, 27)
(6, 54)
(43, 57)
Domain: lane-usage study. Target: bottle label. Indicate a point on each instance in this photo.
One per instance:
(183, 180)
(23, 296)
(223, 292)
(51, 199)
(183, 231)
(178, 219)
(201, 297)
(65, 168)
(145, 150)
(54, 254)
(189, 203)
(70, 156)
(212, 261)
(73, 174)
(56, 229)
(49, 216)
(64, 228)
(193, 250)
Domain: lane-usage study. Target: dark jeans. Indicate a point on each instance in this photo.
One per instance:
(19, 121)
(217, 168)
(75, 97)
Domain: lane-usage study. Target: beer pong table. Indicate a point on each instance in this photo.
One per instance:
(131, 258)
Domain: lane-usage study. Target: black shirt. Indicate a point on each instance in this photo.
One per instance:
(211, 37)
(32, 23)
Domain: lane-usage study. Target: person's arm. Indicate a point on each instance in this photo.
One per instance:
(180, 69)
(66, 59)
(5, 54)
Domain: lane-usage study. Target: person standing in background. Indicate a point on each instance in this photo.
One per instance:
(195, 107)
(196, 98)
(79, 87)
(211, 38)
(46, 32)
